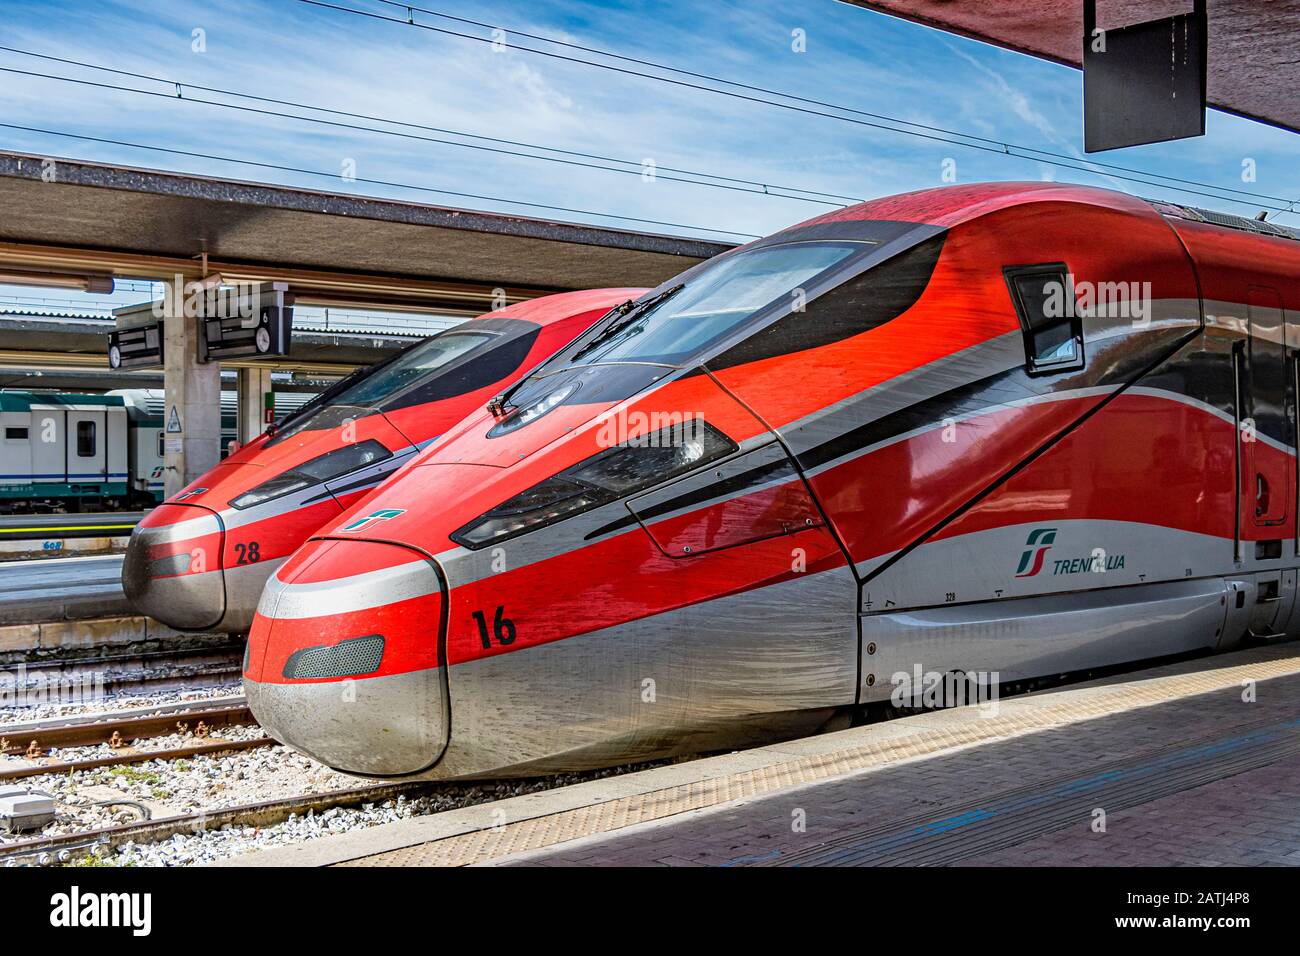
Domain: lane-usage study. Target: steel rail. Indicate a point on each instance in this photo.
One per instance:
(261, 814)
(102, 729)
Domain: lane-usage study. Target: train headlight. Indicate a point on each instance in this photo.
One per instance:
(532, 411)
(332, 464)
(612, 474)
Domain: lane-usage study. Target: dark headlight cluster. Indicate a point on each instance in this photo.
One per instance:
(612, 474)
(332, 464)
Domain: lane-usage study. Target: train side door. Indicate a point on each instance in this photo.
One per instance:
(87, 447)
(116, 445)
(48, 435)
(1266, 471)
(16, 449)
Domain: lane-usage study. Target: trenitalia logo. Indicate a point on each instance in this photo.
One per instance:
(1036, 546)
(383, 514)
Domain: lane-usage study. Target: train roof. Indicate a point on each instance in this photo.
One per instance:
(946, 206)
(18, 401)
(148, 403)
(140, 403)
(559, 305)
(1260, 227)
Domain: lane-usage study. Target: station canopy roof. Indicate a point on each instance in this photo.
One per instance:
(1253, 68)
(332, 248)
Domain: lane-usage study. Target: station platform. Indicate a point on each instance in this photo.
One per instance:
(61, 589)
(25, 538)
(60, 527)
(1192, 763)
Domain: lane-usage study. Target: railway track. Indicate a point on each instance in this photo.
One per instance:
(119, 732)
(177, 710)
(135, 756)
(61, 848)
(104, 728)
(90, 679)
(64, 848)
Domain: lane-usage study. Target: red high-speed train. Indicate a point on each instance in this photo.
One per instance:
(1010, 430)
(199, 561)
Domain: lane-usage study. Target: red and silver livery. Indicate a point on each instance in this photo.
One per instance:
(1009, 430)
(199, 560)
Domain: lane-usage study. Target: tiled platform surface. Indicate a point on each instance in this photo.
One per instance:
(1175, 764)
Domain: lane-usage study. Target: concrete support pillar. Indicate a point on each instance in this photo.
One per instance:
(192, 406)
(254, 385)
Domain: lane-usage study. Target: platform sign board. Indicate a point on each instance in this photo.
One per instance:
(1143, 83)
(246, 321)
(138, 347)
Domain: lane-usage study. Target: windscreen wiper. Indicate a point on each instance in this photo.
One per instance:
(629, 316)
(621, 316)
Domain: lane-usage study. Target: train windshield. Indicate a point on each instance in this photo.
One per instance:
(358, 399)
(713, 302)
(410, 366)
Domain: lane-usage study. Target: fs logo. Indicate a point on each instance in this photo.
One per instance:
(383, 514)
(1036, 546)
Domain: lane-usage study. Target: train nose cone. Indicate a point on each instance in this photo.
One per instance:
(172, 567)
(344, 659)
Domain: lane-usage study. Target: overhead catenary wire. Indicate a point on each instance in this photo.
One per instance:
(764, 189)
(178, 88)
(375, 182)
(846, 109)
(874, 120)
(823, 103)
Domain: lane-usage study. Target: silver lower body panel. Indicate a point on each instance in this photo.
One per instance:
(1042, 636)
(753, 667)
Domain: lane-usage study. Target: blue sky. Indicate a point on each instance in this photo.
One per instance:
(293, 51)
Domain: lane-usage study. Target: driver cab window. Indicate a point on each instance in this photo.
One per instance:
(1049, 318)
(714, 302)
(415, 363)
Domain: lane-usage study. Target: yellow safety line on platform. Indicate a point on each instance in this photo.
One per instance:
(937, 732)
(75, 527)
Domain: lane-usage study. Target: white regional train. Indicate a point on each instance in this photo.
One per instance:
(72, 452)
